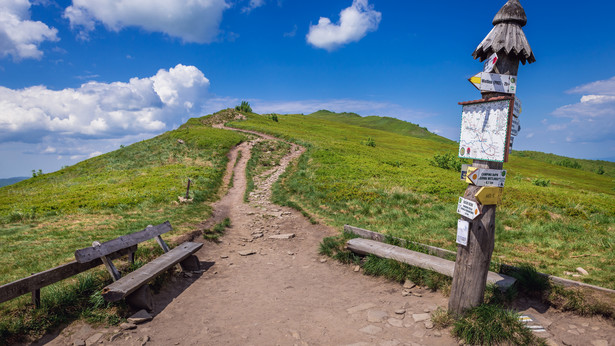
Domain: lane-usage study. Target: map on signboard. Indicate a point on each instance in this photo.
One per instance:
(484, 130)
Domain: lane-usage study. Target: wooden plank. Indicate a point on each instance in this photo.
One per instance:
(367, 234)
(141, 276)
(37, 281)
(417, 259)
(90, 253)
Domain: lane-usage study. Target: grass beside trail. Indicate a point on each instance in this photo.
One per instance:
(43, 220)
(383, 181)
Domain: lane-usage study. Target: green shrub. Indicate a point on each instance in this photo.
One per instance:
(370, 142)
(530, 280)
(568, 163)
(244, 107)
(447, 161)
(600, 170)
(274, 117)
(541, 182)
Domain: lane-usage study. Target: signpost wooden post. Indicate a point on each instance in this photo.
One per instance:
(472, 265)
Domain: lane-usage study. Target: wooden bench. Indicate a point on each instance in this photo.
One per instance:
(133, 286)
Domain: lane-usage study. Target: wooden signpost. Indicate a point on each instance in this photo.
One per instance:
(473, 258)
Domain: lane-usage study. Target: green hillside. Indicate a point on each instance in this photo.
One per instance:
(370, 172)
(43, 220)
(380, 123)
(555, 217)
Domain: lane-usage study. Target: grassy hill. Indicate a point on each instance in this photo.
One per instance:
(43, 220)
(552, 216)
(371, 172)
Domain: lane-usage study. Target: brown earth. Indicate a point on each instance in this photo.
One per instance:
(285, 293)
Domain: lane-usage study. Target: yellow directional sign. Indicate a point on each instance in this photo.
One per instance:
(469, 172)
(489, 195)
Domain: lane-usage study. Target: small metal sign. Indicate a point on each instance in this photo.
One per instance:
(490, 63)
(489, 195)
(517, 108)
(486, 177)
(468, 208)
(516, 126)
(501, 83)
(463, 231)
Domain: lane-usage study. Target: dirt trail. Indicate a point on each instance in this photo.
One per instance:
(285, 293)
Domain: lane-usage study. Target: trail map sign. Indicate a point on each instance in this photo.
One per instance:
(484, 130)
(468, 208)
(517, 109)
(463, 230)
(486, 177)
(501, 83)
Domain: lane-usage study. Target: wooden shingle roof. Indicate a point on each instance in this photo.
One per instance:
(507, 35)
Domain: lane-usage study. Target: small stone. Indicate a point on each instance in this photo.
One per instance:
(247, 252)
(290, 253)
(582, 271)
(115, 337)
(224, 256)
(568, 273)
(93, 339)
(127, 326)
(420, 317)
(400, 311)
(376, 316)
(78, 342)
(323, 260)
(428, 324)
(371, 330)
(145, 340)
(600, 343)
(257, 235)
(187, 275)
(396, 322)
(573, 332)
(437, 334)
(180, 141)
(357, 268)
(406, 293)
(409, 284)
(417, 294)
(360, 307)
(419, 333)
(140, 317)
(282, 236)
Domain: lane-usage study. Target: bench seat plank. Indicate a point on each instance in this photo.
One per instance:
(91, 253)
(131, 282)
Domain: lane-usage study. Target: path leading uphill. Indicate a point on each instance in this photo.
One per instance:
(263, 286)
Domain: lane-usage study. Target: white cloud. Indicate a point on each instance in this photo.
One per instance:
(103, 110)
(191, 20)
(355, 22)
(252, 5)
(592, 119)
(20, 37)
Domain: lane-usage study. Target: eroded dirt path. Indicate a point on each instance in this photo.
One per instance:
(258, 289)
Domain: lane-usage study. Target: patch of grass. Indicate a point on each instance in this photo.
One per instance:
(541, 182)
(334, 248)
(217, 230)
(529, 280)
(266, 155)
(441, 318)
(493, 325)
(581, 302)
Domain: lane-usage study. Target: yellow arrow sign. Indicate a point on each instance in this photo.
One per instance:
(471, 170)
(489, 195)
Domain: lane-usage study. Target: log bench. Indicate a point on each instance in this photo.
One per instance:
(133, 286)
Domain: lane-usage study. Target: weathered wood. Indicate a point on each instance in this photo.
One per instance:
(418, 259)
(367, 234)
(162, 244)
(36, 298)
(37, 281)
(90, 253)
(136, 279)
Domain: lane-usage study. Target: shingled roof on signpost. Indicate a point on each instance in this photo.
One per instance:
(507, 35)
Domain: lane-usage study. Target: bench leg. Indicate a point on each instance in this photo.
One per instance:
(191, 264)
(141, 299)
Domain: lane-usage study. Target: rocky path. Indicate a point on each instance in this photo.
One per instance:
(264, 283)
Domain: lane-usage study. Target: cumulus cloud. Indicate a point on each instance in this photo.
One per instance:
(592, 119)
(355, 22)
(103, 110)
(191, 20)
(20, 37)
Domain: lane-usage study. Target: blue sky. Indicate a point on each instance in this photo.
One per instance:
(81, 77)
